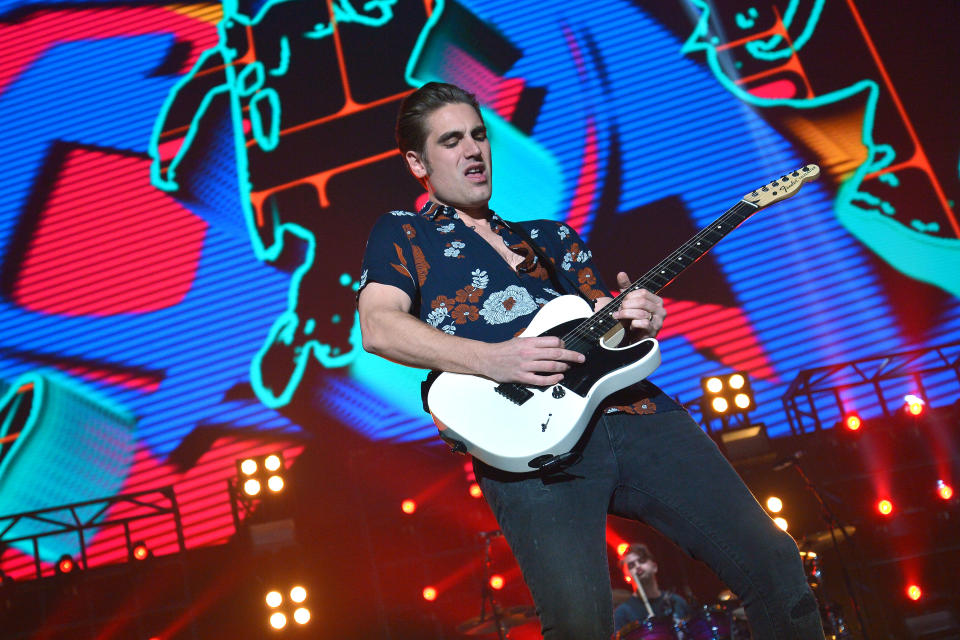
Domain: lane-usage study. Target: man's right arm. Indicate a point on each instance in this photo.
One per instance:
(390, 331)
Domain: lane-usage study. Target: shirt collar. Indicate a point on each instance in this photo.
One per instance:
(431, 210)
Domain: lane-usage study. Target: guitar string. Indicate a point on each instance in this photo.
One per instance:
(583, 330)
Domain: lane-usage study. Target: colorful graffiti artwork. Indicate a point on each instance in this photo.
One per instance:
(188, 190)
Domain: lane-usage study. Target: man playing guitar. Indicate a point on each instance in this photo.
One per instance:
(450, 288)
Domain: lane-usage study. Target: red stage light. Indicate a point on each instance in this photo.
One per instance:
(408, 506)
(475, 490)
(885, 507)
(852, 422)
(140, 551)
(622, 548)
(429, 594)
(496, 581)
(944, 490)
(65, 564)
(914, 592)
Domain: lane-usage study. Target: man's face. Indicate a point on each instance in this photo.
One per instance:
(644, 568)
(455, 163)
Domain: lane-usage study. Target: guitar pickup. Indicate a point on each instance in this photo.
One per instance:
(515, 393)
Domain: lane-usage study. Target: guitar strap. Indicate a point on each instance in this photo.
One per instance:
(554, 280)
(547, 263)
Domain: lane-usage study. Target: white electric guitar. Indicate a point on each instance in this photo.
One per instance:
(522, 428)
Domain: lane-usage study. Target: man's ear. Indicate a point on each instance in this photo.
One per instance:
(417, 167)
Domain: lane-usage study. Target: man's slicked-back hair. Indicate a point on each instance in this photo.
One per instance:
(415, 108)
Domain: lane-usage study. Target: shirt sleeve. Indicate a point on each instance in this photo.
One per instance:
(388, 258)
(577, 261)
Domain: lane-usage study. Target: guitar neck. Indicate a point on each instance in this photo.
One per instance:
(655, 280)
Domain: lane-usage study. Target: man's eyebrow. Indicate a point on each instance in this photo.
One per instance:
(449, 135)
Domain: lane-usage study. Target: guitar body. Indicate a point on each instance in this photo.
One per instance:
(509, 432)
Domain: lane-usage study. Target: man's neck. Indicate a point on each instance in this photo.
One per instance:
(475, 217)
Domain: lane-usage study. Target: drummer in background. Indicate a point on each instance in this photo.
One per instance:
(639, 564)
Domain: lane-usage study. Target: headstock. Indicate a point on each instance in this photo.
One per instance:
(783, 187)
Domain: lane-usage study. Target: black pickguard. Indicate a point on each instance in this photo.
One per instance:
(599, 361)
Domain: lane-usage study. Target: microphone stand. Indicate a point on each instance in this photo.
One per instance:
(486, 593)
(833, 523)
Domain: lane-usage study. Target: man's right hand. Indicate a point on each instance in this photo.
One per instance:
(538, 361)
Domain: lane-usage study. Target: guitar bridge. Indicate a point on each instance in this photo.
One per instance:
(515, 393)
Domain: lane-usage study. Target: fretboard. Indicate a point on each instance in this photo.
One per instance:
(590, 331)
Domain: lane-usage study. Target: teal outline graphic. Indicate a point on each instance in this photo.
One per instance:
(247, 85)
(931, 259)
(58, 456)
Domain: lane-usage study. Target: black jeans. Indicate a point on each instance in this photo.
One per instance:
(661, 469)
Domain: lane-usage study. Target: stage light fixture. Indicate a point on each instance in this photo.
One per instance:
(139, 550)
(781, 522)
(475, 490)
(301, 615)
(885, 507)
(944, 490)
(258, 471)
(408, 506)
(713, 385)
(282, 610)
(726, 395)
(251, 487)
(272, 462)
(248, 467)
(774, 504)
(429, 594)
(278, 620)
(622, 549)
(274, 599)
(496, 582)
(852, 422)
(914, 592)
(914, 404)
(275, 483)
(65, 564)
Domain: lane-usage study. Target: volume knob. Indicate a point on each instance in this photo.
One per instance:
(558, 392)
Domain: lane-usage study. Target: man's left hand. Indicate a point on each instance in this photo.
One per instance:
(641, 312)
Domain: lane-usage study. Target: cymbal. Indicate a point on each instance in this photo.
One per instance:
(509, 617)
(823, 539)
(620, 596)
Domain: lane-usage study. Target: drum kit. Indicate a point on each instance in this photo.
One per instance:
(725, 620)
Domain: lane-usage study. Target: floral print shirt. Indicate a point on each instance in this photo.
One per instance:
(459, 283)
